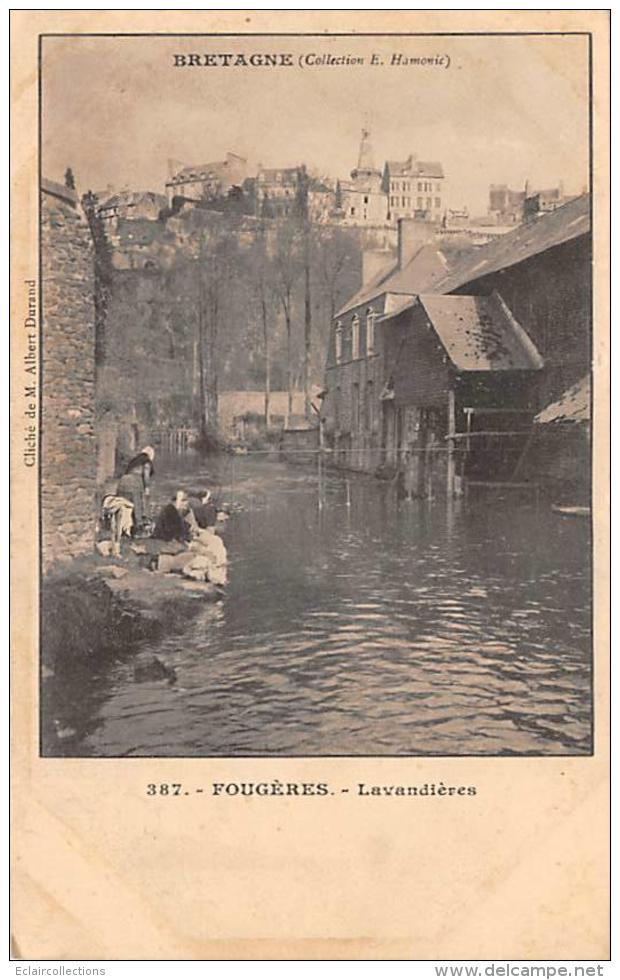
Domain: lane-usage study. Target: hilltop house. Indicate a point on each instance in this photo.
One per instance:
(130, 206)
(207, 180)
(507, 206)
(414, 189)
(436, 368)
(277, 194)
(276, 191)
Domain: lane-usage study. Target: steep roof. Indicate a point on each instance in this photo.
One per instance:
(203, 171)
(61, 191)
(478, 333)
(125, 198)
(423, 273)
(370, 290)
(426, 267)
(567, 222)
(415, 168)
(573, 406)
(271, 173)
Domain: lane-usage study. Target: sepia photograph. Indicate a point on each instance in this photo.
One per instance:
(315, 355)
(309, 475)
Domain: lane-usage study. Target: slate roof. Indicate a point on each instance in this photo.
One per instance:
(426, 267)
(270, 174)
(567, 222)
(203, 171)
(125, 198)
(415, 168)
(573, 406)
(421, 273)
(478, 333)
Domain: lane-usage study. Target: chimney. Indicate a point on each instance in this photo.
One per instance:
(373, 261)
(412, 234)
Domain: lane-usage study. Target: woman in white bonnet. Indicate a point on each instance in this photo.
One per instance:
(134, 483)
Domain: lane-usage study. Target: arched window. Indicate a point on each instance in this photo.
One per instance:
(338, 342)
(355, 337)
(371, 316)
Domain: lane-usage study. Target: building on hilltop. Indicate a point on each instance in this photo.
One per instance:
(362, 200)
(129, 205)
(415, 189)
(509, 207)
(542, 202)
(456, 218)
(276, 191)
(505, 204)
(279, 192)
(207, 180)
(321, 200)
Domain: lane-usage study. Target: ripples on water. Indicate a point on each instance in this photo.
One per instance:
(370, 630)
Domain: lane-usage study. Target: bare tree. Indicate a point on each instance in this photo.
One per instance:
(287, 270)
(338, 261)
(262, 287)
(303, 214)
(217, 263)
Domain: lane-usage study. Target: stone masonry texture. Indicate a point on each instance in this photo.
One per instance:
(68, 451)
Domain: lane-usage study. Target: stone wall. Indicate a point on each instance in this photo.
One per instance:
(353, 412)
(68, 452)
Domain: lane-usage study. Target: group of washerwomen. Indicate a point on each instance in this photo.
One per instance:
(183, 537)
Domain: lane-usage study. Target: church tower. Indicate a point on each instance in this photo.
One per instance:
(366, 172)
(363, 200)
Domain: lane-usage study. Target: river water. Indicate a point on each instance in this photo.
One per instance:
(366, 628)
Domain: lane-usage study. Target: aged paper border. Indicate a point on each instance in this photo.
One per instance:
(102, 872)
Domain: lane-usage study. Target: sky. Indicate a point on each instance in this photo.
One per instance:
(505, 110)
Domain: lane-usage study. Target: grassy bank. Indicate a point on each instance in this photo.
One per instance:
(98, 614)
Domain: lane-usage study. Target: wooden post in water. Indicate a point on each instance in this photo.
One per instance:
(451, 432)
(320, 463)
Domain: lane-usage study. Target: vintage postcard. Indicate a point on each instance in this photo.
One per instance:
(310, 493)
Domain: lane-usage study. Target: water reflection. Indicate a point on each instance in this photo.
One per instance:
(365, 628)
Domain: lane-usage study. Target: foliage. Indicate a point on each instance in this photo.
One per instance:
(220, 304)
(237, 201)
